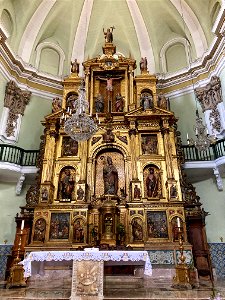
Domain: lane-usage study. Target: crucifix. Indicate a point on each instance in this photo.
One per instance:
(109, 87)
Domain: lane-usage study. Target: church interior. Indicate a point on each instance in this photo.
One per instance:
(112, 149)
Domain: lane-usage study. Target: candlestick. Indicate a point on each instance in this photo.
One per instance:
(22, 225)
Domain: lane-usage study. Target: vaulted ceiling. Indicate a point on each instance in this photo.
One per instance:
(37, 29)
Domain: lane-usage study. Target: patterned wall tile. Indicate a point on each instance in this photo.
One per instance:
(217, 251)
(5, 250)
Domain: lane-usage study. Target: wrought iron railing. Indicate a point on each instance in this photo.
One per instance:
(213, 152)
(18, 156)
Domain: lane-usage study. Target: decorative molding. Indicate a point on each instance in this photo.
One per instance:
(19, 184)
(219, 180)
(178, 40)
(55, 47)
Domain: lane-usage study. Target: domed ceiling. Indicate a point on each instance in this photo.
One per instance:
(49, 34)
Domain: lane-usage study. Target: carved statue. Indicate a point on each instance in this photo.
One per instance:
(163, 101)
(146, 101)
(99, 104)
(66, 184)
(75, 67)
(44, 194)
(80, 193)
(143, 64)
(152, 183)
(119, 103)
(108, 136)
(110, 177)
(173, 191)
(109, 84)
(78, 231)
(108, 34)
(137, 192)
(56, 104)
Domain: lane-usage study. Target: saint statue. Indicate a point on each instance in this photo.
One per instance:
(143, 64)
(110, 177)
(108, 34)
(99, 104)
(137, 192)
(152, 183)
(75, 67)
(119, 103)
(146, 101)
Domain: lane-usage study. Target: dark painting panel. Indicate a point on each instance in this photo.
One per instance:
(157, 224)
(59, 226)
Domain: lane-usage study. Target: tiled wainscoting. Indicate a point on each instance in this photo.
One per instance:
(218, 258)
(5, 250)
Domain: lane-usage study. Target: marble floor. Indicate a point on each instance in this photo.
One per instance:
(154, 288)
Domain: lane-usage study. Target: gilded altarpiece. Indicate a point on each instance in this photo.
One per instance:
(122, 186)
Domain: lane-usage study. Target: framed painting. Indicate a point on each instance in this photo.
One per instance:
(157, 224)
(59, 226)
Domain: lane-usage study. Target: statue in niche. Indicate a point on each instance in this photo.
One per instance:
(69, 147)
(119, 103)
(44, 194)
(163, 102)
(78, 231)
(99, 104)
(39, 230)
(66, 184)
(75, 67)
(108, 136)
(108, 34)
(137, 192)
(146, 101)
(70, 102)
(149, 144)
(56, 104)
(137, 230)
(80, 193)
(110, 177)
(173, 191)
(143, 64)
(152, 183)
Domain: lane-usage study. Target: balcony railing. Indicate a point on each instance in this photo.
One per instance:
(213, 152)
(18, 156)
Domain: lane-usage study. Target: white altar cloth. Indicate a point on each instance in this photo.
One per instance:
(41, 256)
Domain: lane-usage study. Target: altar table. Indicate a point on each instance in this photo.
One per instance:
(90, 255)
(88, 267)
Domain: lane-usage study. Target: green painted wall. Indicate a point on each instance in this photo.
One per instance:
(31, 128)
(184, 108)
(9, 205)
(213, 202)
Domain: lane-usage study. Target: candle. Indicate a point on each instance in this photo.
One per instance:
(187, 138)
(22, 225)
(178, 222)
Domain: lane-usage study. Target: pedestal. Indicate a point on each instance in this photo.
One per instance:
(182, 277)
(87, 280)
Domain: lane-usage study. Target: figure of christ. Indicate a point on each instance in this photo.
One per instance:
(109, 85)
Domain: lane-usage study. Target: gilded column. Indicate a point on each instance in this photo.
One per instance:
(83, 156)
(49, 154)
(132, 133)
(131, 79)
(168, 149)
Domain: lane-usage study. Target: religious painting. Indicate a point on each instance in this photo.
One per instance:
(137, 229)
(78, 231)
(152, 182)
(69, 147)
(110, 173)
(149, 144)
(157, 224)
(59, 226)
(66, 184)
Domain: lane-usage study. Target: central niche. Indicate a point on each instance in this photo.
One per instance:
(109, 173)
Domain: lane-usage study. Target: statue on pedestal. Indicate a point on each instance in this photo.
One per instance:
(110, 177)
